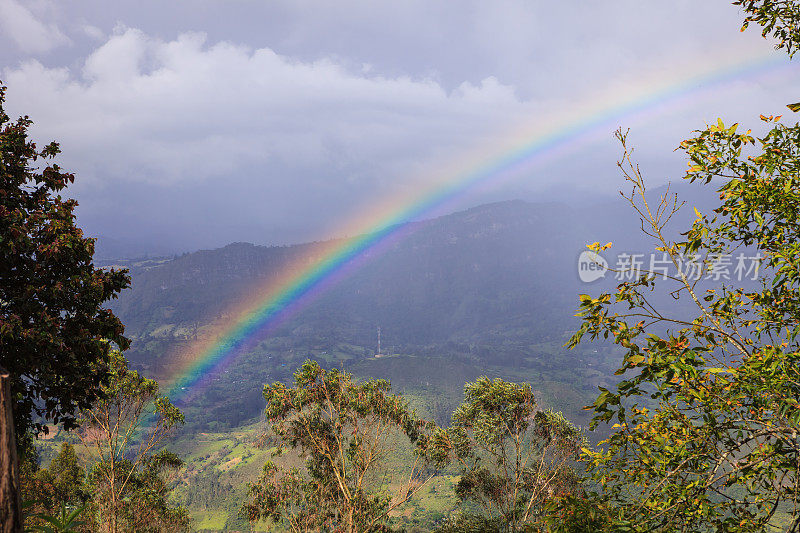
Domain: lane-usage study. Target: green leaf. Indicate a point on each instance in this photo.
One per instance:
(794, 107)
(719, 371)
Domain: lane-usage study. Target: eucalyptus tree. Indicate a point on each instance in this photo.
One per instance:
(706, 417)
(344, 431)
(122, 433)
(512, 455)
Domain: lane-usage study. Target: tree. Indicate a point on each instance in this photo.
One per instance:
(779, 18)
(47, 490)
(55, 336)
(717, 448)
(10, 503)
(706, 419)
(121, 436)
(582, 512)
(145, 507)
(512, 455)
(68, 476)
(343, 430)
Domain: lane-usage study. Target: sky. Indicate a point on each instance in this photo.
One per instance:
(192, 124)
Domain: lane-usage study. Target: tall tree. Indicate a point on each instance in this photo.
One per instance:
(121, 436)
(68, 476)
(58, 486)
(55, 335)
(342, 429)
(706, 419)
(142, 501)
(513, 456)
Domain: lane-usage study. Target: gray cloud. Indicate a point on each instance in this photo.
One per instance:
(270, 122)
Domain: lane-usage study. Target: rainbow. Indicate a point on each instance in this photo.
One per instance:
(326, 263)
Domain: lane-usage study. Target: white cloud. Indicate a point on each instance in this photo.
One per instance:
(93, 32)
(178, 110)
(28, 33)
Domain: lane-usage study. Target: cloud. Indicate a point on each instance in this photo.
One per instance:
(288, 139)
(27, 32)
(205, 142)
(93, 32)
(168, 111)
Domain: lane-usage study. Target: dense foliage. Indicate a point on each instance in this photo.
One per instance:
(61, 483)
(717, 448)
(512, 456)
(54, 333)
(141, 503)
(342, 429)
(779, 18)
(706, 416)
(127, 486)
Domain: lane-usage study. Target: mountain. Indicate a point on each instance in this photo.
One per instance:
(492, 271)
(494, 286)
(455, 277)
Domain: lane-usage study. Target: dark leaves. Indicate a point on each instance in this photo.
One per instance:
(55, 335)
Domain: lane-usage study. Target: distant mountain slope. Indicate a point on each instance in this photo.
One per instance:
(491, 274)
(465, 277)
(481, 271)
(495, 286)
(487, 291)
(196, 287)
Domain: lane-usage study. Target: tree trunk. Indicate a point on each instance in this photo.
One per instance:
(10, 508)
